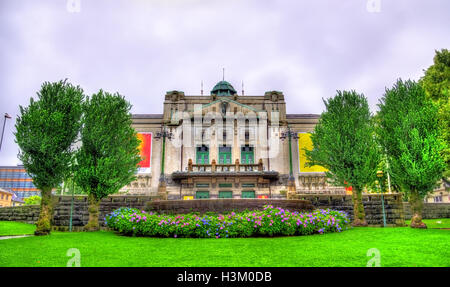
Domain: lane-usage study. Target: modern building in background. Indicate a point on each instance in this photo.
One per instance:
(15, 179)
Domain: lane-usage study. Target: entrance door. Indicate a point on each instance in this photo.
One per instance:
(226, 194)
(202, 194)
(225, 155)
(248, 194)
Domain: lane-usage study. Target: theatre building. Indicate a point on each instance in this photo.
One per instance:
(225, 145)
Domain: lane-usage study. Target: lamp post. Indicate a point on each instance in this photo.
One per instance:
(71, 206)
(388, 176)
(3, 130)
(291, 181)
(380, 175)
(162, 181)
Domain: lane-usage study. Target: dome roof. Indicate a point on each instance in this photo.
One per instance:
(223, 88)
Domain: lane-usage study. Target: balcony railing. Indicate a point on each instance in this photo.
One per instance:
(217, 170)
(214, 167)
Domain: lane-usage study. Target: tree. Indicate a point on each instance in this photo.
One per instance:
(408, 130)
(343, 142)
(45, 132)
(108, 157)
(436, 83)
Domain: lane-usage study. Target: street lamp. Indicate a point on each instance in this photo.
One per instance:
(163, 134)
(380, 175)
(71, 205)
(290, 135)
(3, 130)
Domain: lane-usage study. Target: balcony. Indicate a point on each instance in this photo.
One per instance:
(225, 170)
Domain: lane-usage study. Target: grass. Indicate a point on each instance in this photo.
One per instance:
(16, 228)
(434, 223)
(402, 246)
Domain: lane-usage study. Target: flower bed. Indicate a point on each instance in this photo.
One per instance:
(270, 221)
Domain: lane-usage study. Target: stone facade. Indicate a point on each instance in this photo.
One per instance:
(440, 194)
(223, 119)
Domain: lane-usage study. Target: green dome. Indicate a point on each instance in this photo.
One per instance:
(223, 88)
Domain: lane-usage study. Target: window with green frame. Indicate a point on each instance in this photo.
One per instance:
(202, 185)
(248, 185)
(225, 194)
(225, 185)
(248, 194)
(224, 155)
(202, 155)
(247, 155)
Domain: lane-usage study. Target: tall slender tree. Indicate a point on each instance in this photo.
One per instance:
(343, 142)
(109, 154)
(409, 132)
(436, 83)
(45, 132)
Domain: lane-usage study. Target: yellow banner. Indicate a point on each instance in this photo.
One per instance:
(304, 141)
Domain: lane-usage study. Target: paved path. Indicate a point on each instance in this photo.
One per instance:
(14, 236)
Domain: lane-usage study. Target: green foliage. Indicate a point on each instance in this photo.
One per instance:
(343, 141)
(436, 83)
(267, 222)
(33, 200)
(108, 157)
(408, 131)
(46, 130)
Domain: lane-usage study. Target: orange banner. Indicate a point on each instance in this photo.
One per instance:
(145, 148)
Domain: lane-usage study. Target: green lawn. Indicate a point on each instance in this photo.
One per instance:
(401, 246)
(16, 228)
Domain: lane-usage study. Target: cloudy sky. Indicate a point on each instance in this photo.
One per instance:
(141, 49)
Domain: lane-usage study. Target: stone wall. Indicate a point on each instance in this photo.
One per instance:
(372, 206)
(430, 210)
(26, 213)
(80, 217)
(225, 205)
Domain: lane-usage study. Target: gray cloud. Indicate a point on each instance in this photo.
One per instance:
(141, 49)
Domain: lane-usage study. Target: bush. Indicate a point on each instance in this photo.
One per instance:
(32, 200)
(271, 221)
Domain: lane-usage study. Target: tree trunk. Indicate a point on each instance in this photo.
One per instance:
(94, 206)
(416, 209)
(44, 225)
(359, 216)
